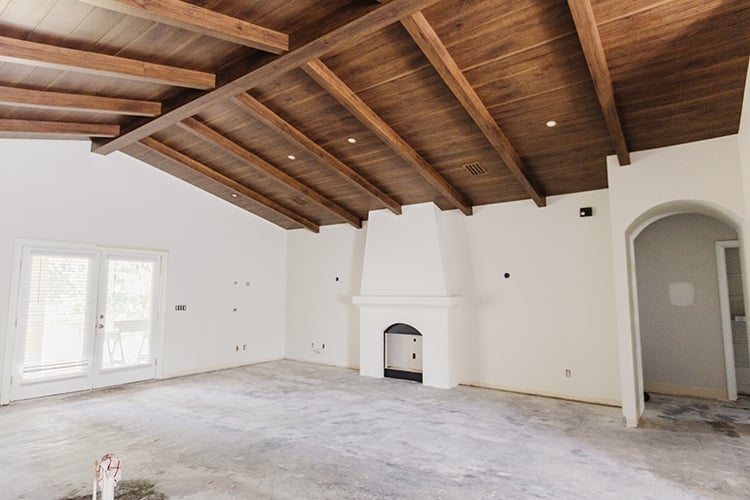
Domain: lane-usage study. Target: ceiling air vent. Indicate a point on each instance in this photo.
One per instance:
(475, 168)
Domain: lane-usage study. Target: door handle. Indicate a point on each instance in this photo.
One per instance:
(100, 325)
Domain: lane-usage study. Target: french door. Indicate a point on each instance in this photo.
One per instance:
(85, 318)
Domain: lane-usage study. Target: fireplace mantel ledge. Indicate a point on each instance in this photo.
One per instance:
(412, 300)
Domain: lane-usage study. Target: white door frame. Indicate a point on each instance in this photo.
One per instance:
(726, 317)
(10, 338)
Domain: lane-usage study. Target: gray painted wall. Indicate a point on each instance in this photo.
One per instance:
(678, 301)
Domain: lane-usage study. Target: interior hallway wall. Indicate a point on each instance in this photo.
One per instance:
(59, 191)
(678, 304)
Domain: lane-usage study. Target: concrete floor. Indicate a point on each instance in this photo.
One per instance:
(289, 430)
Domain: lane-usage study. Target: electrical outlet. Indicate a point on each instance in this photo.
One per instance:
(244, 347)
(236, 348)
(567, 373)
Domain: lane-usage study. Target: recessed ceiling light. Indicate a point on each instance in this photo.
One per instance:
(291, 157)
(551, 123)
(234, 195)
(351, 140)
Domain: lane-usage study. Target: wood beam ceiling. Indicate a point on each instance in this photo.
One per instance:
(42, 99)
(433, 48)
(216, 138)
(350, 32)
(240, 189)
(200, 20)
(357, 107)
(588, 34)
(288, 131)
(50, 56)
(14, 128)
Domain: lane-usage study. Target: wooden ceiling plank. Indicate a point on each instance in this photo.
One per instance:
(241, 189)
(42, 99)
(588, 34)
(319, 72)
(275, 122)
(433, 48)
(200, 20)
(38, 128)
(348, 33)
(214, 137)
(50, 56)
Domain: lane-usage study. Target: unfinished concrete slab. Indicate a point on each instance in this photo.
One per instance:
(290, 430)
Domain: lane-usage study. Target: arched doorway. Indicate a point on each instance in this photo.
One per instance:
(402, 353)
(685, 346)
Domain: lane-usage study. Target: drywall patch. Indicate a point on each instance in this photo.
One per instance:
(681, 294)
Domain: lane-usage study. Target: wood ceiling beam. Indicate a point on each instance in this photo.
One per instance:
(350, 32)
(591, 42)
(200, 20)
(13, 128)
(357, 107)
(49, 56)
(214, 137)
(275, 122)
(240, 189)
(42, 99)
(435, 51)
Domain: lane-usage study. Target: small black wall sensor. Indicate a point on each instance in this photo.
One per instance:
(586, 211)
(506, 275)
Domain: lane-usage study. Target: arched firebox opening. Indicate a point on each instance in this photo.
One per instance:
(403, 352)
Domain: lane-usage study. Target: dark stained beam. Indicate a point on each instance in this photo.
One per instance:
(588, 34)
(50, 56)
(434, 49)
(350, 32)
(357, 107)
(27, 129)
(42, 99)
(214, 137)
(240, 189)
(275, 122)
(200, 20)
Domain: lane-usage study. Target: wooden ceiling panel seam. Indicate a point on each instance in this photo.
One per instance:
(371, 22)
(429, 42)
(593, 51)
(342, 93)
(202, 21)
(240, 189)
(216, 138)
(51, 56)
(266, 116)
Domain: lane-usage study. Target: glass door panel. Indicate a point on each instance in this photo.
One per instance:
(57, 308)
(127, 318)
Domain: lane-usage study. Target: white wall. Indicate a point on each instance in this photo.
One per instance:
(678, 304)
(59, 191)
(701, 177)
(555, 313)
(319, 308)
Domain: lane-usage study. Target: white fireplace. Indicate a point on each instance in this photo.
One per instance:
(405, 279)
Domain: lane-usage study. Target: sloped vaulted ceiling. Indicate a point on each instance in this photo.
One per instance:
(447, 100)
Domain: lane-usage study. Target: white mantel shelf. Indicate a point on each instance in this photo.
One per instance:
(392, 300)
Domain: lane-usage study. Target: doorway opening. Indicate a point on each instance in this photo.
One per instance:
(687, 310)
(403, 352)
(84, 318)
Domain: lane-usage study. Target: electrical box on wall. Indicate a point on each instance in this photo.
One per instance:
(586, 211)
